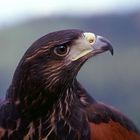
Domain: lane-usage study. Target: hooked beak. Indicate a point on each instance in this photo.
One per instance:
(89, 46)
(101, 45)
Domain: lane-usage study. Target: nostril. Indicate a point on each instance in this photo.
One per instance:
(91, 41)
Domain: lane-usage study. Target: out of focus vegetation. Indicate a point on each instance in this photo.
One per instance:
(113, 80)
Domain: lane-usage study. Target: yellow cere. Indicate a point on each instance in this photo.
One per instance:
(81, 55)
(85, 47)
(90, 37)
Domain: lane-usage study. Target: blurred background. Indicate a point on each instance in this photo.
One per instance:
(112, 80)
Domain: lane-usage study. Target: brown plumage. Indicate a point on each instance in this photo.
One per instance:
(46, 102)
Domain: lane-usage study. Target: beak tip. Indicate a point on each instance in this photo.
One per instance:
(112, 51)
(106, 44)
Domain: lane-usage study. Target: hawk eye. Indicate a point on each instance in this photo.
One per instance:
(61, 50)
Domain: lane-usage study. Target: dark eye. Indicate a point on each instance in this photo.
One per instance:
(61, 50)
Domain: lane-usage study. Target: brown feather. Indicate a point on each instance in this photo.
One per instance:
(111, 131)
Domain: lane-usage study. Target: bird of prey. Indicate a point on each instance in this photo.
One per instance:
(45, 101)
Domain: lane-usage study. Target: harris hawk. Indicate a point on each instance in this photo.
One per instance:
(45, 101)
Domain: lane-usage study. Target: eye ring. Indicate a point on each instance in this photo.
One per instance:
(61, 50)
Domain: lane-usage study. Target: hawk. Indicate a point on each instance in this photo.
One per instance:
(45, 101)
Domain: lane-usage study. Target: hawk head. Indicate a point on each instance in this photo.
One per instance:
(53, 61)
